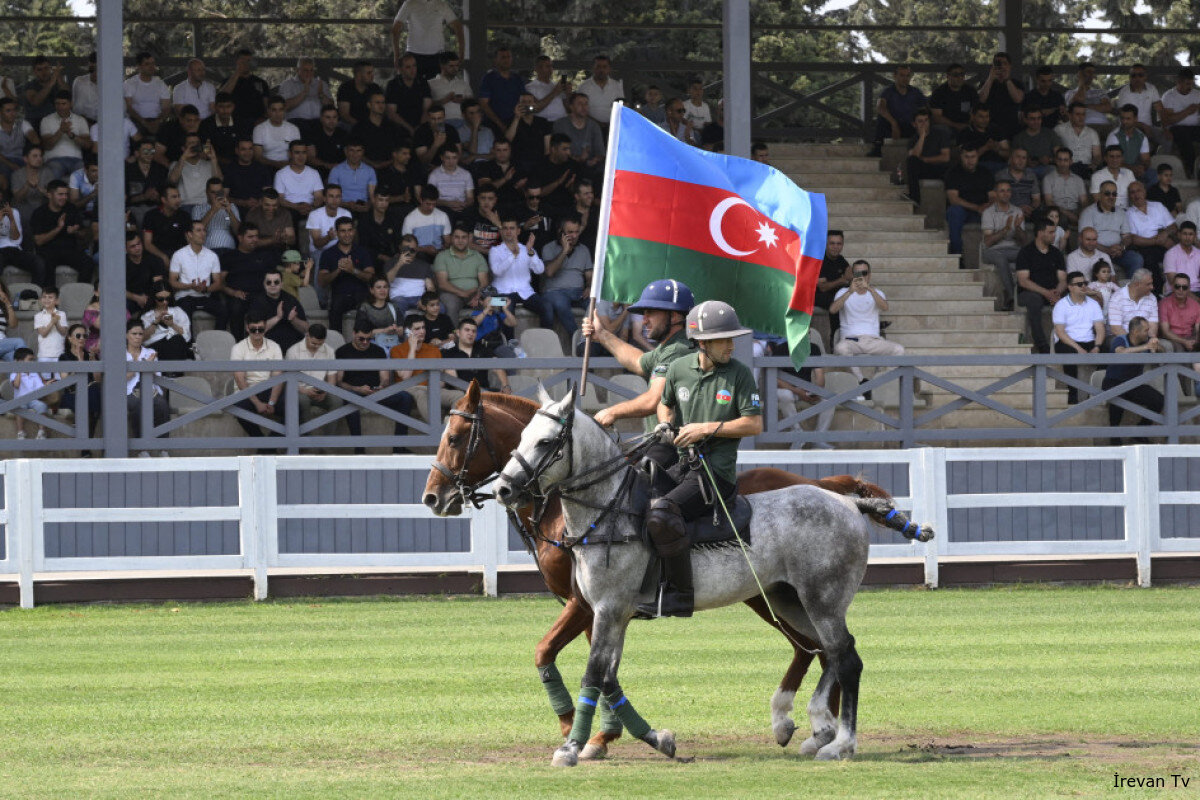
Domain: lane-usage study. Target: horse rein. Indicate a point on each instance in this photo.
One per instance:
(469, 492)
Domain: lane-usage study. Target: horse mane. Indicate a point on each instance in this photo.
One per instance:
(512, 403)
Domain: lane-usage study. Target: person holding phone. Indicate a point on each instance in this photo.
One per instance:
(859, 306)
(514, 264)
(410, 276)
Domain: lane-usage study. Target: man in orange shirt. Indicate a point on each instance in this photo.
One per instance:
(415, 346)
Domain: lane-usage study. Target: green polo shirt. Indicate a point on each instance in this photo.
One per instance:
(463, 273)
(654, 364)
(723, 394)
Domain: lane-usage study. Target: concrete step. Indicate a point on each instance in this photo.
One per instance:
(961, 308)
(840, 194)
(886, 276)
(949, 349)
(886, 251)
(853, 208)
(840, 165)
(933, 291)
(950, 337)
(857, 237)
(883, 222)
(900, 264)
(870, 180)
(957, 372)
(924, 320)
(819, 150)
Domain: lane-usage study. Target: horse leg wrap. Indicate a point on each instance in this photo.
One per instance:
(610, 723)
(560, 698)
(585, 709)
(628, 715)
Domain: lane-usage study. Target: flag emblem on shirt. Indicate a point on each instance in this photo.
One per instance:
(724, 396)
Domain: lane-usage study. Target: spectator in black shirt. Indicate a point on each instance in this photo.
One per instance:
(285, 318)
(249, 92)
(1138, 340)
(164, 229)
(434, 134)
(951, 102)
(984, 136)
(145, 178)
(223, 130)
(928, 153)
(529, 135)
(467, 347)
(502, 173)
(377, 133)
(246, 178)
(532, 218)
(835, 274)
(327, 142)
(145, 274)
(60, 236)
(352, 95)
(1002, 95)
(408, 96)
(1047, 99)
(1041, 279)
(1163, 192)
(556, 176)
(346, 269)
(968, 186)
(379, 230)
(244, 269)
(172, 133)
(400, 178)
(438, 326)
(368, 382)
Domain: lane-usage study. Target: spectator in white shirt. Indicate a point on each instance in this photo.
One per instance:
(551, 95)
(1153, 230)
(514, 266)
(426, 21)
(195, 277)
(450, 87)
(456, 187)
(273, 136)
(1145, 97)
(1184, 258)
(1113, 171)
(313, 347)
(64, 135)
(859, 305)
(85, 92)
(1135, 299)
(147, 98)
(322, 221)
(1082, 141)
(304, 94)
(1078, 326)
(1084, 258)
(299, 186)
(602, 90)
(195, 91)
(1181, 115)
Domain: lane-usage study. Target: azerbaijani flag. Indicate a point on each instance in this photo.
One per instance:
(731, 229)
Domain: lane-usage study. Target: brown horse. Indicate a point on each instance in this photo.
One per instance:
(484, 427)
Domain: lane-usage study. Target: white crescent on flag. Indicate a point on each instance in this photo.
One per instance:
(714, 225)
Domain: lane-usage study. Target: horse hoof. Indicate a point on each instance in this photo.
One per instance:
(926, 534)
(835, 751)
(565, 756)
(663, 741)
(813, 744)
(593, 752)
(784, 731)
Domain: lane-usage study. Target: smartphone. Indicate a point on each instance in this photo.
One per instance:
(498, 301)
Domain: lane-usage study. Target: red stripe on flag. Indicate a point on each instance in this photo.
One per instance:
(703, 218)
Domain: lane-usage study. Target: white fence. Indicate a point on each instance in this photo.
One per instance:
(258, 513)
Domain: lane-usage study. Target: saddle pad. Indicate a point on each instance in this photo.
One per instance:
(702, 531)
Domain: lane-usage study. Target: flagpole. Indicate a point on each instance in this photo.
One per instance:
(610, 171)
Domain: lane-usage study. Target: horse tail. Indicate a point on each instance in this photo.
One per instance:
(875, 502)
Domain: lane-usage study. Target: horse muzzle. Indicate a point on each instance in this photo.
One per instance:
(444, 503)
(510, 494)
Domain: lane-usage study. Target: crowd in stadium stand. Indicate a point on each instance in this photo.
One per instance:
(411, 210)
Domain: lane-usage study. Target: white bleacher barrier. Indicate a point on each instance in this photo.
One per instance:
(1137, 507)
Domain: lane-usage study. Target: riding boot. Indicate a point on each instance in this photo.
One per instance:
(669, 534)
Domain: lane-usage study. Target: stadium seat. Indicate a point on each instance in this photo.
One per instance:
(634, 383)
(214, 345)
(838, 382)
(541, 343)
(1175, 162)
(73, 298)
(335, 340)
(311, 305)
(524, 385)
(181, 403)
(591, 399)
(15, 290)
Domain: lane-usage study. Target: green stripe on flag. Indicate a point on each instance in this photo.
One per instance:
(759, 294)
(797, 336)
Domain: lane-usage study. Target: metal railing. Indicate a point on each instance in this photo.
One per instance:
(1143, 494)
(914, 404)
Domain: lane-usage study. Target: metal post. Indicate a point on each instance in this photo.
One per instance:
(743, 351)
(475, 21)
(111, 245)
(736, 54)
(1011, 37)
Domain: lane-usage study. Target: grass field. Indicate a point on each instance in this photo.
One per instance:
(1005, 693)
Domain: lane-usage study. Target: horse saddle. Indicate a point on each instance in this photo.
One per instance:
(713, 526)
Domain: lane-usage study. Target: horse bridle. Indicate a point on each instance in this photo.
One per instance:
(562, 448)
(469, 492)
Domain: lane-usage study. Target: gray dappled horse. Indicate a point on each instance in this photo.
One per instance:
(808, 549)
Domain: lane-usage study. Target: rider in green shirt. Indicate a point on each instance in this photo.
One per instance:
(714, 401)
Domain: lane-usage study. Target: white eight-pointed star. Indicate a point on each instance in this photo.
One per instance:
(767, 235)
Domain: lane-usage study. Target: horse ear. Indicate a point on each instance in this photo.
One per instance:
(572, 392)
(543, 396)
(472, 396)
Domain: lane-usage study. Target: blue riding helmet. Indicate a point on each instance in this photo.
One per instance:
(669, 295)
